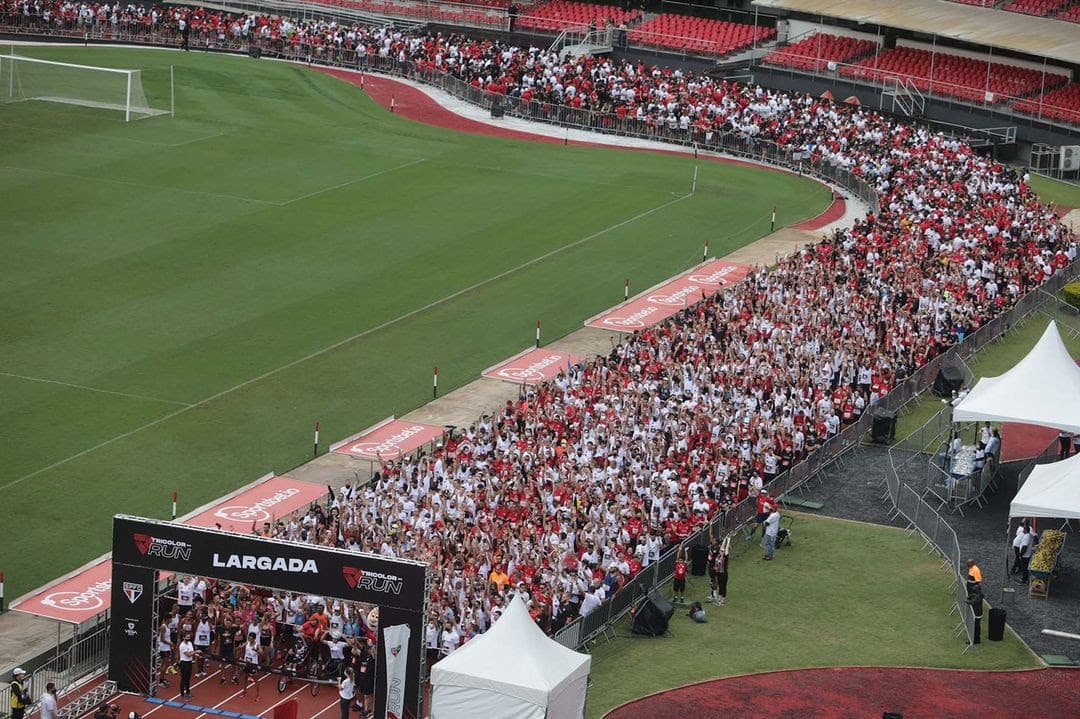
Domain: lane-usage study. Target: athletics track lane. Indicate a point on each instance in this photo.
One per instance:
(864, 692)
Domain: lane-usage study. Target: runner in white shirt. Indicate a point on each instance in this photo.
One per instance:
(185, 594)
(251, 664)
(203, 637)
(165, 647)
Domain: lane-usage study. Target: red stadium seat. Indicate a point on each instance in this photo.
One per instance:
(698, 35)
(1039, 8)
(1062, 105)
(560, 14)
(815, 52)
(955, 76)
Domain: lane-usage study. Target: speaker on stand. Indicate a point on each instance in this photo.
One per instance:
(883, 430)
(948, 381)
(652, 617)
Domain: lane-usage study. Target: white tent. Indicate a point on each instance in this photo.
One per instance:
(514, 671)
(1051, 490)
(1042, 389)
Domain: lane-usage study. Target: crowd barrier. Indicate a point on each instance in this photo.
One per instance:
(84, 658)
(909, 504)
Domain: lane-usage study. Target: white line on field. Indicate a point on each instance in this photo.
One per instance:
(92, 389)
(352, 182)
(141, 185)
(360, 335)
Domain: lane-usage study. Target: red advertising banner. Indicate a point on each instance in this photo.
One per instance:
(85, 593)
(657, 304)
(389, 439)
(532, 366)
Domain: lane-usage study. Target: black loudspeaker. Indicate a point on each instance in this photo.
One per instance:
(996, 631)
(497, 109)
(884, 428)
(255, 52)
(699, 560)
(949, 380)
(652, 616)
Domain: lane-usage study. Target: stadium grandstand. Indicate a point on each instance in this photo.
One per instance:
(584, 490)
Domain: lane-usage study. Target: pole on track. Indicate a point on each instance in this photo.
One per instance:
(174, 494)
(315, 452)
(538, 334)
(172, 90)
(435, 383)
(693, 182)
(1, 591)
(626, 290)
(772, 222)
(705, 252)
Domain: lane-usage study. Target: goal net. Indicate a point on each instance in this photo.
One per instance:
(27, 78)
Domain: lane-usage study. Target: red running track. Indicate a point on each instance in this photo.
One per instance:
(209, 692)
(405, 100)
(866, 692)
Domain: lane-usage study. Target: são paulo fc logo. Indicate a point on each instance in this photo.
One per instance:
(157, 547)
(395, 650)
(133, 590)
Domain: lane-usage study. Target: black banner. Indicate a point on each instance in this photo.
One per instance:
(141, 547)
(276, 564)
(133, 632)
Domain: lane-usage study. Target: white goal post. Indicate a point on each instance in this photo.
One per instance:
(28, 78)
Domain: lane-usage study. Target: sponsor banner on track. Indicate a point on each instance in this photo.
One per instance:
(276, 497)
(533, 366)
(390, 440)
(86, 594)
(657, 304)
(77, 599)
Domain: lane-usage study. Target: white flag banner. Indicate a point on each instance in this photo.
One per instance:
(396, 648)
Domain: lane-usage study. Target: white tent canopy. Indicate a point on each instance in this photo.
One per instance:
(1051, 490)
(514, 671)
(1042, 389)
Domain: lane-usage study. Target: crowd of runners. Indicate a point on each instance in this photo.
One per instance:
(566, 493)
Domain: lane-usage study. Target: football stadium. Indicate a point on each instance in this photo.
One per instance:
(633, 359)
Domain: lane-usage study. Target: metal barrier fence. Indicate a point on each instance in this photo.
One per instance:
(908, 503)
(87, 656)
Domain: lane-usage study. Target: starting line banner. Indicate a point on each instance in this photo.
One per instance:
(532, 366)
(85, 593)
(662, 301)
(389, 439)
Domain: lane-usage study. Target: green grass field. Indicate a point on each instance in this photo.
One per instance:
(182, 298)
(844, 594)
